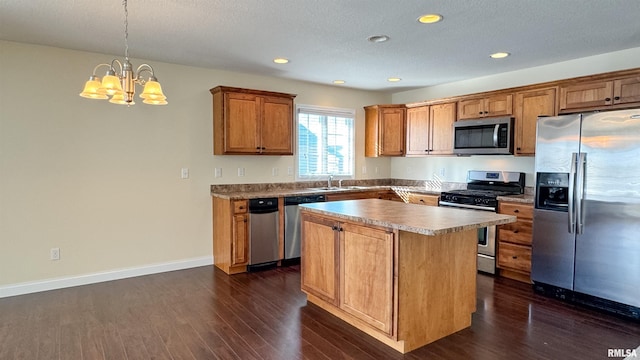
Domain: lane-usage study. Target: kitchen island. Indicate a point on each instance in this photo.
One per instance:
(402, 273)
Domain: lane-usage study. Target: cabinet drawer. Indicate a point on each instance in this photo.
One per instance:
(240, 206)
(423, 199)
(519, 232)
(515, 257)
(522, 211)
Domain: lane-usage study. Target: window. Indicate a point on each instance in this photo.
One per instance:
(325, 142)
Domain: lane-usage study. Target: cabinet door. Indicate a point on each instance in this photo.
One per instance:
(530, 105)
(586, 95)
(239, 244)
(276, 127)
(626, 91)
(320, 243)
(499, 105)
(514, 257)
(418, 131)
(470, 109)
(391, 132)
(367, 275)
(441, 128)
(240, 125)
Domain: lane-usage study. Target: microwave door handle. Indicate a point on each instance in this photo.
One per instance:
(572, 189)
(495, 135)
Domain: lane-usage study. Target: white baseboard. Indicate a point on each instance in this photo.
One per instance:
(65, 282)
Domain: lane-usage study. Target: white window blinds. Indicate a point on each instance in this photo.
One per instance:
(325, 142)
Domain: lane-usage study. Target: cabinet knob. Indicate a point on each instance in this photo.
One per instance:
(421, 200)
(616, 98)
(607, 99)
(514, 257)
(480, 113)
(516, 211)
(516, 231)
(334, 228)
(518, 148)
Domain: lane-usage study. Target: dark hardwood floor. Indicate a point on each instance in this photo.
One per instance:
(202, 313)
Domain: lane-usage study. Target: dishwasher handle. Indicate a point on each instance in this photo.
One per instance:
(263, 206)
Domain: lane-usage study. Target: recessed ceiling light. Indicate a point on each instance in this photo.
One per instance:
(393, 79)
(280, 60)
(378, 38)
(430, 18)
(499, 55)
(339, 82)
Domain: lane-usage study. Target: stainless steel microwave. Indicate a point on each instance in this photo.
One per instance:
(492, 136)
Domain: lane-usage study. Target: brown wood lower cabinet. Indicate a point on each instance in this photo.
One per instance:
(320, 276)
(230, 235)
(366, 275)
(514, 242)
(404, 289)
(423, 199)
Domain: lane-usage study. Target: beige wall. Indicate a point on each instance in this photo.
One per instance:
(102, 181)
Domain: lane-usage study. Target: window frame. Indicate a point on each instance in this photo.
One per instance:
(329, 111)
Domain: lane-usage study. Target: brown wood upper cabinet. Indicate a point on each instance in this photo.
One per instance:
(384, 130)
(250, 122)
(528, 106)
(494, 105)
(430, 129)
(617, 93)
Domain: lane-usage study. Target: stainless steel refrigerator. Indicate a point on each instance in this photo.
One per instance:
(586, 222)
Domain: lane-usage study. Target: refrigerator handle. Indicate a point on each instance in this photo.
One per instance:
(496, 130)
(572, 183)
(582, 163)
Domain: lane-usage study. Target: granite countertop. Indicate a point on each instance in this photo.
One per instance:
(524, 198)
(254, 194)
(426, 220)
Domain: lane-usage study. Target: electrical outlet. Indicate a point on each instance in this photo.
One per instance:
(364, 169)
(377, 169)
(275, 171)
(442, 172)
(241, 171)
(217, 172)
(290, 170)
(54, 254)
(184, 173)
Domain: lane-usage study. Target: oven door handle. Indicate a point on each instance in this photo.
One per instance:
(495, 135)
(466, 206)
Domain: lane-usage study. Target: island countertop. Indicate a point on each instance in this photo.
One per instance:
(420, 219)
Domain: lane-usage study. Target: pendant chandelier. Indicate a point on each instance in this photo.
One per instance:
(120, 84)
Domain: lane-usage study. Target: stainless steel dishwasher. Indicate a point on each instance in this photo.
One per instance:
(263, 233)
(292, 224)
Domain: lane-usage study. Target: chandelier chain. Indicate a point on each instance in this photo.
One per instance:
(126, 30)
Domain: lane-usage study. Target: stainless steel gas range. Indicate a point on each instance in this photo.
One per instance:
(483, 189)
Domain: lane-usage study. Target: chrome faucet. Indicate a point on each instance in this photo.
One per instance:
(340, 183)
(329, 181)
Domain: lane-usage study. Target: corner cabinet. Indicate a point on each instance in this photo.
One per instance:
(528, 106)
(494, 105)
(514, 242)
(430, 129)
(615, 93)
(252, 122)
(230, 235)
(384, 130)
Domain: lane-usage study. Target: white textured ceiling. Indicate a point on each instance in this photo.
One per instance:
(327, 39)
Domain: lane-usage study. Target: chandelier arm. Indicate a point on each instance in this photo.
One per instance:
(116, 61)
(142, 68)
(95, 69)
